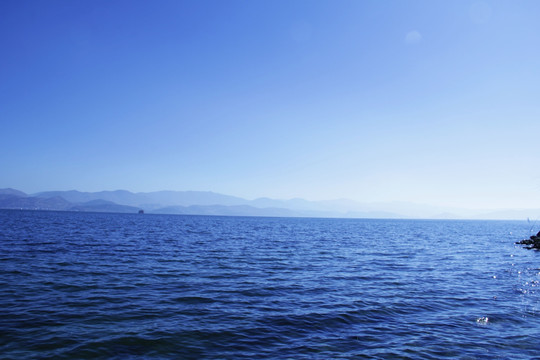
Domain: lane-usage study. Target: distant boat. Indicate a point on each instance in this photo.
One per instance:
(141, 211)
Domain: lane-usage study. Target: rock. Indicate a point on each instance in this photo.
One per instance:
(533, 242)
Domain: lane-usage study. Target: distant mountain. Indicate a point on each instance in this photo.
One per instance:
(373, 215)
(14, 199)
(520, 214)
(159, 200)
(187, 198)
(149, 200)
(12, 192)
(210, 203)
(185, 202)
(122, 197)
(104, 206)
(293, 204)
(234, 210)
(33, 203)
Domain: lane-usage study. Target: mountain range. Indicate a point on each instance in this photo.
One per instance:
(210, 203)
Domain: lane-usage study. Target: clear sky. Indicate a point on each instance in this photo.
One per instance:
(434, 102)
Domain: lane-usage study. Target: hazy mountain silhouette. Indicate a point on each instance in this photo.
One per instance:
(210, 203)
(22, 201)
(104, 206)
(232, 210)
(12, 192)
(149, 200)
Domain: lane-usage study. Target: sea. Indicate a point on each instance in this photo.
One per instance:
(130, 286)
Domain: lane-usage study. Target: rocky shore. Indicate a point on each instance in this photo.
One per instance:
(533, 242)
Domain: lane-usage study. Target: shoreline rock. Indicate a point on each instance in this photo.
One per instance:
(534, 241)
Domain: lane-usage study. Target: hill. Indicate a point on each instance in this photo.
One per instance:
(210, 203)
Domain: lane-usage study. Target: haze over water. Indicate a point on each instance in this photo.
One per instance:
(90, 285)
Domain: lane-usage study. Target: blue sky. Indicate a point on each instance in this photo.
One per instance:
(431, 102)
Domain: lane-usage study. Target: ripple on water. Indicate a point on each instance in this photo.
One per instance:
(121, 286)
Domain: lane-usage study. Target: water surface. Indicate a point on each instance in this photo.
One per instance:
(90, 285)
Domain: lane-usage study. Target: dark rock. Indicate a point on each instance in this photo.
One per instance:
(534, 242)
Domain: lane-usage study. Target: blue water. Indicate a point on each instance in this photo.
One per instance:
(89, 285)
